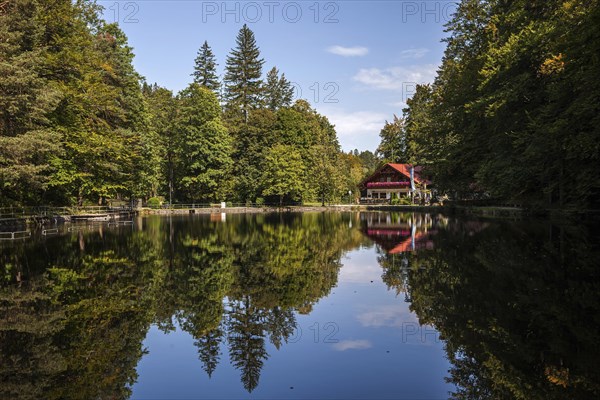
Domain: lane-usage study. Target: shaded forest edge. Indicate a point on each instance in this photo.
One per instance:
(513, 113)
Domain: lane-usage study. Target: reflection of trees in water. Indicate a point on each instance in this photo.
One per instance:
(81, 329)
(516, 304)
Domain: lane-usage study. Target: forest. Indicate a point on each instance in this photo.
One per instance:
(513, 114)
(78, 124)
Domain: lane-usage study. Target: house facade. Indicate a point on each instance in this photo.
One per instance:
(396, 180)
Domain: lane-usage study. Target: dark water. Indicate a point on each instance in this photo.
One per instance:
(322, 306)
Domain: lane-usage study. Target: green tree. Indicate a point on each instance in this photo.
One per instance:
(393, 146)
(284, 173)
(205, 69)
(243, 84)
(278, 91)
(162, 108)
(205, 145)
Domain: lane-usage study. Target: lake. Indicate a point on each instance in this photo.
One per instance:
(302, 305)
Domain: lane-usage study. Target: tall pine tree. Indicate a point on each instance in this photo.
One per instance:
(278, 91)
(205, 69)
(243, 84)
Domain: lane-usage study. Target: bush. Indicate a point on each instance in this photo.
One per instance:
(154, 202)
(405, 201)
(260, 201)
(400, 201)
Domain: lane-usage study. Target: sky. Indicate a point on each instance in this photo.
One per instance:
(356, 62)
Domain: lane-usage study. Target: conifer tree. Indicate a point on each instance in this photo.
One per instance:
(278, 91)
(243, 84)
(205, 69)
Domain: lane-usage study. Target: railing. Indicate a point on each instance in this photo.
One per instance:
(387, 184)
(374, 201)
(187, 206)
(16, 213)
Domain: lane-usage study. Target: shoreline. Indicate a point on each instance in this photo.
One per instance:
(488, 212)
(493, 212)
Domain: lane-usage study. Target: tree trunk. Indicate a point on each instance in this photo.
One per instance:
(280, 200)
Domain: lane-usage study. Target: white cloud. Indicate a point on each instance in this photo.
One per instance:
(387, 315)
(356, 51)
(358, 129)
(353, 345)
(360, 272)
(396, 78)
(414, 53)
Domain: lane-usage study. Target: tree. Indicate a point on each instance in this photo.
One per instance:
(393, 146)
(243, 85)
(278, 91)
(205, 69)
(284, 173)
(511, 113)
(205, 145)
(29, 146)
(162, 108)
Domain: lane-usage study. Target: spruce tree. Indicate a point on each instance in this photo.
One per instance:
(205, 69)
(243, 85)
(278, 91)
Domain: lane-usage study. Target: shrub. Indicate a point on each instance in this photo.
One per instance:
(154, 202)
(260, 201)
(405, 201)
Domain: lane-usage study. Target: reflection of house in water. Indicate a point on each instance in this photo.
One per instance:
(399, 232)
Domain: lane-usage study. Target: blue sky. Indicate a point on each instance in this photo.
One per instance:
(355, 61)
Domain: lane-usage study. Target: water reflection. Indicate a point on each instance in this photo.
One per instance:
(398, 233)
(516, 303)
(76, 308)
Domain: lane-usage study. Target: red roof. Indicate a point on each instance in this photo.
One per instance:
(420, 241)
(404, 169)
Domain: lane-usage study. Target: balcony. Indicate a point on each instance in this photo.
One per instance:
(387, 185)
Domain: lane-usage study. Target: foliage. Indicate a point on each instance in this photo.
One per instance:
(204, 145)
(283, 173)
(205, 69)
(243, 84)
(154, 202)
(79, 125)
(393, 145)
(278, 91)
(512, 113)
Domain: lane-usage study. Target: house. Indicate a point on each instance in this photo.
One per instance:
(399, 233)
(396, 180)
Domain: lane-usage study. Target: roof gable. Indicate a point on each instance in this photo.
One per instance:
(403, 169)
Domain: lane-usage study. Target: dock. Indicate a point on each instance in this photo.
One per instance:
(19, 216)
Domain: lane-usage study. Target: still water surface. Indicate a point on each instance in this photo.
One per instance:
(313, 305)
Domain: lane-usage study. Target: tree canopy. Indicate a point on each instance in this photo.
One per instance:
(512, 114)
(78, 124)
